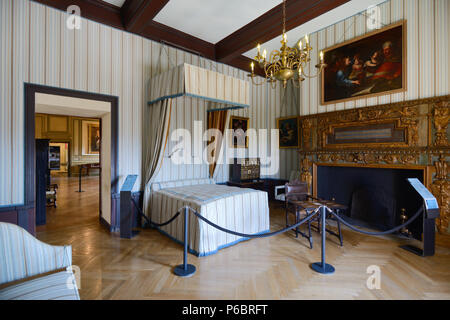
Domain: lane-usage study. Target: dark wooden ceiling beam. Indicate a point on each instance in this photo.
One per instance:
(176, 38)
(137, 14)
(243, 63)
(269, 25)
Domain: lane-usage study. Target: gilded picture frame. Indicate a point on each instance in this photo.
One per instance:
(367, 66)
(93, 139)
(237, 123)
(289, 132)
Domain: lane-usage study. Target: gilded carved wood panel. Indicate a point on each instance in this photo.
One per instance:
(425, 141)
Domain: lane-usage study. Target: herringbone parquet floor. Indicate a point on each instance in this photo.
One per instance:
(268, 268)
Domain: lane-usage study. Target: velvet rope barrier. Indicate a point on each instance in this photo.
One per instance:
(251, 236)
(414, 217)
(186, 270)
(154, 223)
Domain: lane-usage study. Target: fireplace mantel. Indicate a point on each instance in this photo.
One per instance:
(404, 135)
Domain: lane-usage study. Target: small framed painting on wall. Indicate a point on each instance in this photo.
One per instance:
(239, 125)
(289, 132)
(93, 139)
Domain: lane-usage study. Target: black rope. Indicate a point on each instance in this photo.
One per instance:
(307, 218)
(150, 222)
(381, 232)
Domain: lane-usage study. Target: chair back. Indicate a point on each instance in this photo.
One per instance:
(297, 191)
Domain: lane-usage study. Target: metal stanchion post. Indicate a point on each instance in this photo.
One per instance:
(185, 269)
(79, 180)
(323, 267)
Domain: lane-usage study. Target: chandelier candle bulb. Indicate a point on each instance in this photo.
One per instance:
(264, 54)
(259, 48)
(306, 40)
(321, 56)
(252, 66)
(300, 45)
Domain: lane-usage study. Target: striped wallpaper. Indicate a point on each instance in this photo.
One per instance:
(36, 47)
(428, 68)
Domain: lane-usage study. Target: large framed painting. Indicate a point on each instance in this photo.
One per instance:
(289, 132)
(370, 65)
(93, 139)
(239, 125)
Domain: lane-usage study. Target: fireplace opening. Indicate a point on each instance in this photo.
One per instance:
(374, 196)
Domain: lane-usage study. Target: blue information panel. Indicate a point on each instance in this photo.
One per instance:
(129, 182)
(429, 199)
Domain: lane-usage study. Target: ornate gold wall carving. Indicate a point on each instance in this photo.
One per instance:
(406, 118)
(306, 133)
(306, 175)
(371, 157)
(441, 190)
(441, 115)
(425, 123)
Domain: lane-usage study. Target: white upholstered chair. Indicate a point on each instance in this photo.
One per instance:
(279, 190)
(24, 257)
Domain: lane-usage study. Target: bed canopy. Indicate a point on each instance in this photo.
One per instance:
(185, 81)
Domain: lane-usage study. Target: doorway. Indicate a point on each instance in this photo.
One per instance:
(70, 103)
(66, 142)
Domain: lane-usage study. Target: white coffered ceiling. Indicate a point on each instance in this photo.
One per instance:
(212, 20)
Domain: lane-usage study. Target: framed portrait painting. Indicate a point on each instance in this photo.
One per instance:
(93, 139)
(239, 125)
(370, 65)
(289, 132)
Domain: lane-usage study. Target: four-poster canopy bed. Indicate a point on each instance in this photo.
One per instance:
(243, 210)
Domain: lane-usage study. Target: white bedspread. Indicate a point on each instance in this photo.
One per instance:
(237, 209)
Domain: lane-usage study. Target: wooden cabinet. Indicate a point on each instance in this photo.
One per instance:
(247, 169)
(42, 179)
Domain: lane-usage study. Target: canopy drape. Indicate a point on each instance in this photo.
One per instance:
(156, 133)
(221, 91)
(191, 81)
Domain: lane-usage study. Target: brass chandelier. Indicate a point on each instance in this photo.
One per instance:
(284, 64)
